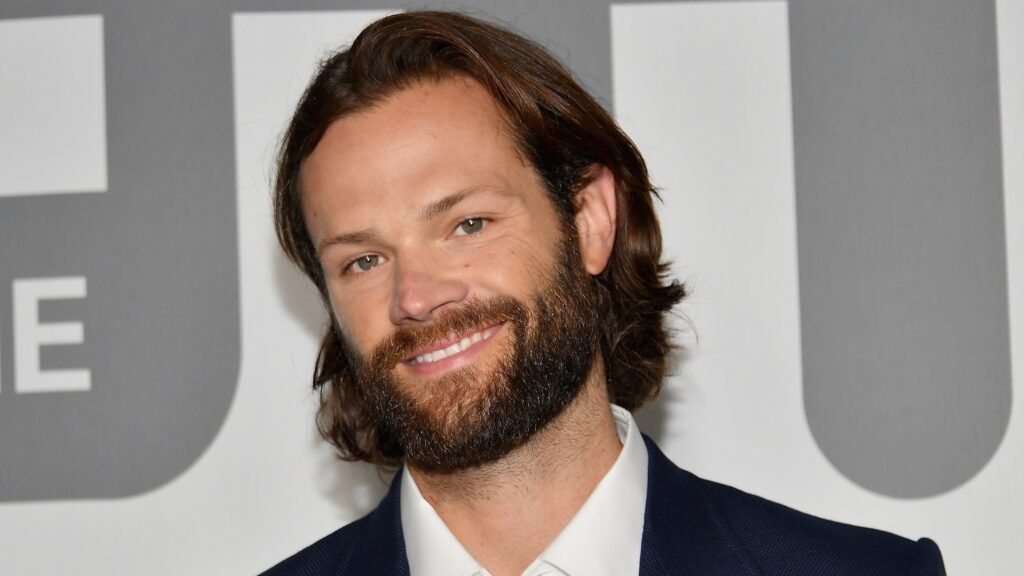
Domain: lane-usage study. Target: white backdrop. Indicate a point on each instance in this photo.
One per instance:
(723, 156)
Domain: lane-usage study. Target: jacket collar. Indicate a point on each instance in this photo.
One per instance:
(683, 534)
(381, 550)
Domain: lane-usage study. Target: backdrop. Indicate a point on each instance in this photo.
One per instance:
(842, 185)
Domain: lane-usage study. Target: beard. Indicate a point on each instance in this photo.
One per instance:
(477, 414)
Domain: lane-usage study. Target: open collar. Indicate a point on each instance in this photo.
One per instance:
(602, 538)
(682, 532)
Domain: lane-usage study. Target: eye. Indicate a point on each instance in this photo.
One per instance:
(470, 226)
(364, 263)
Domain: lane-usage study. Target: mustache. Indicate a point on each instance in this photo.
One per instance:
(405, 342)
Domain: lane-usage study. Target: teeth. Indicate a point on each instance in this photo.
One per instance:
(451, 350)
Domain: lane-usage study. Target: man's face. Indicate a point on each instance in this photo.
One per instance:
(468, 316)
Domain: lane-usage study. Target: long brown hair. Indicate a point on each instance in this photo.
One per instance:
(557, 126)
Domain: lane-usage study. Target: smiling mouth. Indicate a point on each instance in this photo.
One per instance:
(454, 348)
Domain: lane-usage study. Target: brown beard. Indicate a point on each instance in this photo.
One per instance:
(466, 417)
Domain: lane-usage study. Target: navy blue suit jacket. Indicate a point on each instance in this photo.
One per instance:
(692, 527)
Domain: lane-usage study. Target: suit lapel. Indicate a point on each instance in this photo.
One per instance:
(381, 550)
(682, 532)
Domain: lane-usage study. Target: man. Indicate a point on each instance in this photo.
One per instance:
(483, 236)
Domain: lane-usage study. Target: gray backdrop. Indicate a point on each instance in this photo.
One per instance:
(900, 217)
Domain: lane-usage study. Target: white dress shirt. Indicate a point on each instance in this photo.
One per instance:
(602, 539)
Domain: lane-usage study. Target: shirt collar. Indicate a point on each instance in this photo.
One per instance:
(602, 539)
(431, 548)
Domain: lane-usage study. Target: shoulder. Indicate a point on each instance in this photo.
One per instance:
(779, 539)
(325, 556)
(766, 538)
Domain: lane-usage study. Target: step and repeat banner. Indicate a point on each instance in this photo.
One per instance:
(842, 186)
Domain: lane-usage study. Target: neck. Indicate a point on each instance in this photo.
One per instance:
(507, 512)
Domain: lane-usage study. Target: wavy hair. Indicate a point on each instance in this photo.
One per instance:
(557, 127)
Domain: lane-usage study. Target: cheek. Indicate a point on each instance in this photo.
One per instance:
(516, 267)
(359, 323)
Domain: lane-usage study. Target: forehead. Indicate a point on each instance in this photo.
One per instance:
(431, 137)
(456, 114)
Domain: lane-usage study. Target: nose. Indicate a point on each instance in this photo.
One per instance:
(423, 289)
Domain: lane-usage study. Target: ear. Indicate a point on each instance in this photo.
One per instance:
(595, 220)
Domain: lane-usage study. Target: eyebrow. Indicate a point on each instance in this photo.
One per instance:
(439, 207)
(428, 212)
(361, 237)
